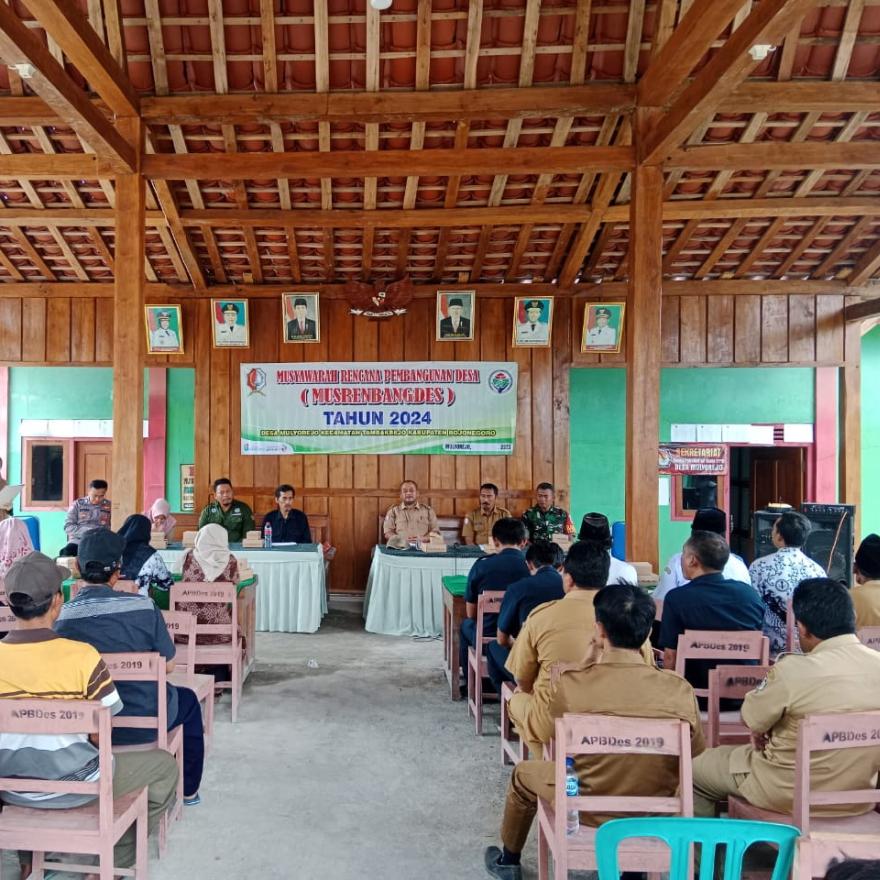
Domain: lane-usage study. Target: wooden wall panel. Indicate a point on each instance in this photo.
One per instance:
(719, 329)
(10, 330)
(692, 332)
(670, 322)
(774, 329)
(801, 329)
(33, 332)
(747, 330)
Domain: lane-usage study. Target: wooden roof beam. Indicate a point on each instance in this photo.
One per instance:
(776, 156)
(867, 266)
(870, 308)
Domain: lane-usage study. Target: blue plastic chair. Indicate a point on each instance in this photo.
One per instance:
(678, 833)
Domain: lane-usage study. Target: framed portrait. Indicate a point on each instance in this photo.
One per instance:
(230, 323)
(164, 325)
(455, 315)
(301, 318)
(532, 321)
(603, 327)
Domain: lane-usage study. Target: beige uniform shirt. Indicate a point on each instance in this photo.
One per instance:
(410, 522)
(839, 675)
(866, 598)
(477, 527)
(555, 632)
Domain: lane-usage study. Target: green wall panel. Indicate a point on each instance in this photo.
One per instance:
(870, 432)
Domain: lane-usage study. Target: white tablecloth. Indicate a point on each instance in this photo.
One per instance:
(291, 595)
(404, 592)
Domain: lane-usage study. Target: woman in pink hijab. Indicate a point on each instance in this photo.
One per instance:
(15, 542)
(160, 517)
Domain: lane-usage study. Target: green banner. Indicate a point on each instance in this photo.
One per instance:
(429, 407)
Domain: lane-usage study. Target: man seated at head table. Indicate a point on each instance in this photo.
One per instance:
(836, 673)
(477, 525)
(544, 584)
(616, 682)
(234, 516)
(544, 519)
(289, 525)
(558, 632)
(90, 512)
(866, 593)
(595, 527)
(410, 520)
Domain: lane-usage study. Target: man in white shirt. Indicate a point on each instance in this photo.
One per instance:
(706, 519)
(533, 330)
(595, 527)
(230, 332)
(164, 337)
(602, 334)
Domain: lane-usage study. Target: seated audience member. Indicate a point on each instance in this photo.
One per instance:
(706, 519)
(832, 675)
(775, 576)
(477, 525)
(90, 512)
(141, 563)
(113, 623)
(496, 572)
(235, 517)
(708, 601)
(35, 661)
(15, 542)
(544, 584)
(617, 682)
(410, 520)
(557, 632)
(866, 592)
(854, 869)
(289, 525)
(544, 519)
(595, 527)
(160, 517)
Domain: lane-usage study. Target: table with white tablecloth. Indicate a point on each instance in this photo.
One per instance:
(291, 595)
(404, 589)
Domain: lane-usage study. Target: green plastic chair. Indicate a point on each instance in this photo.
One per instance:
(736, 834)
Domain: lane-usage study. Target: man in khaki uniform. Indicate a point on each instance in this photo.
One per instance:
(557, 632)
(618, 682)
(477, 526)
(834, 674)
(409, 520)
(866, 593)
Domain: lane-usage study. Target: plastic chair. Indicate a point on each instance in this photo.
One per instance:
(792, 642)
(488, 602)
(182, 624)
(836, 837)
(870, 637)
(680, 833)
(93, 829)
(144, 667)
(513, 747)
(729, 683)
(605, 735)
(230, 653)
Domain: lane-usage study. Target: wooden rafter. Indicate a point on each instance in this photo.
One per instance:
(859, 311)
(842, 248)
(779, 156)
(758, 249)
(867, 265)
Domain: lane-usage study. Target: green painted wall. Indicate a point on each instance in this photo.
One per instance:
(689, 396)
(180, 430)
(870, 432)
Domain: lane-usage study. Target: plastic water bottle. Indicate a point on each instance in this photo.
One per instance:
(267, 536)
(572, 789)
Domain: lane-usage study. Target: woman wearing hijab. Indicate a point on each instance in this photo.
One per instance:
(140, 562)
(161, 518)
(15, 542)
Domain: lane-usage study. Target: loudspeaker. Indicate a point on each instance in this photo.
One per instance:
(761, 530)
(831, 541)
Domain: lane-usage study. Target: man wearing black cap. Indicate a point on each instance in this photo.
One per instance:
(113, 622)
(35, 661)
(454, 326)
(866, 592)
(301, 328)
(595, 527)
(533, 330)
(603, 333)
(706, 519)
(230, 332)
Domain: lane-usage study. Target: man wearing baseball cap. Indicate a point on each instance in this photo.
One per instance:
(114, 622)
(35, 661)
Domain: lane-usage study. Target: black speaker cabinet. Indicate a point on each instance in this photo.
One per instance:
(761, 529)
(831, 541)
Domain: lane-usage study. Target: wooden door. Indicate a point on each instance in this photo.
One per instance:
(92, 463)
(777, 476)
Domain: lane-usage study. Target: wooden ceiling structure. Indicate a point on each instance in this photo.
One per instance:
(203, 144)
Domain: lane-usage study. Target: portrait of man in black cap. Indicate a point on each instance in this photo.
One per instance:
(454, 311)
(301, 315)
(163, 324)
(531, 321)
(603, 327)
(230, 323)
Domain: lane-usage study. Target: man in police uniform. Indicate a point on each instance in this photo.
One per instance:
(836, 673)
(164, 337)
(533, 329)
(544, 519)
(410, 520)
(477, 525)
(557, 632)
(617, 682)
(86, 514)
(235, 516)
(230, 332)
(602, 334)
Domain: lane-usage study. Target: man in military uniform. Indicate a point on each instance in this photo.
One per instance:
(832, 675)
(533, 330)
(544, 519)
(602, 334)
(477, 526)
(557, 632)
(235, 516)
(617, 682)
(410, 520)
(163, 337)
(86, 514)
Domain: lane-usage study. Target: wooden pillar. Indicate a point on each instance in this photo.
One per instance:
(126, 483)
(643, 358)
(851, 422)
